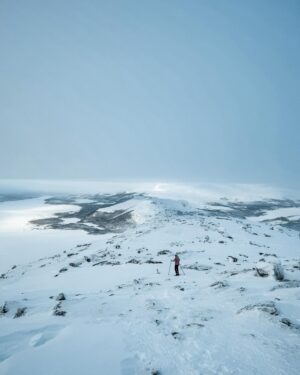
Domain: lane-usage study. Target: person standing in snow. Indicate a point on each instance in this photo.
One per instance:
(177, 263)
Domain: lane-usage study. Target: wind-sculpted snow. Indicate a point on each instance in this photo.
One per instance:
(107, 301)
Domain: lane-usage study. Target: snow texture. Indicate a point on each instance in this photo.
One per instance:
(108, 302)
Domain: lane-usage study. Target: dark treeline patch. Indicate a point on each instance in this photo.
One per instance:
(89, 218)
(242, 210)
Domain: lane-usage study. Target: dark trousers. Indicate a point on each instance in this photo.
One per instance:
(176, 269)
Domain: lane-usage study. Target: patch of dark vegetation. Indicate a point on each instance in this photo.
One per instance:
(278, 272)
(90, 217)
(242, 210)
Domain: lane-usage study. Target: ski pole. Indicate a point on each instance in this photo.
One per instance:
(182, 270)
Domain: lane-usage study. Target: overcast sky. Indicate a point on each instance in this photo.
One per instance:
(187, 90)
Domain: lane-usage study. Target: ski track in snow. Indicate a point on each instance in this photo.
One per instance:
(124, 314)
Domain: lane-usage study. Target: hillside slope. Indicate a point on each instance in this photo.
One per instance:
(95, 291)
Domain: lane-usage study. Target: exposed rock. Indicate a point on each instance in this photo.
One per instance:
(151, 284)
(195, 325)
(64, 269)
(286, 321)
(219, 284)
(268, 307)
(134, 261)
(61, 297)
(84, 245)
(58, 311)
(151, 261)
(255, 244)
(264, 269)
(73, 264)
(4, 309)
(287, 284)
(164, 252)
(198, 267)
(261, 272)
(106, 262)
(232, 259)
(20, 312)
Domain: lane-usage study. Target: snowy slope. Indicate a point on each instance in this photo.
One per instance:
(124, 312)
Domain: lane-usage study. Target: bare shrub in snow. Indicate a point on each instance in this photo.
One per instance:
(278, 272)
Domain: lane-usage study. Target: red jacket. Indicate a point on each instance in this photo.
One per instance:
(177, 260)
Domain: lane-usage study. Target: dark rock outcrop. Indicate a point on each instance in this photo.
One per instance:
(268, 307)
(61, 297)
(20, 312)
(4, 309)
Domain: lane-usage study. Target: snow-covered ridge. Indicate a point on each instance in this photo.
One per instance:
(141, 209)
(108, 301)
